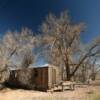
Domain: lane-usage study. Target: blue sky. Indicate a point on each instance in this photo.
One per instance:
(15, 14)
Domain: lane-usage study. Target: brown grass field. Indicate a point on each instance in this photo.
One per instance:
(83, 92)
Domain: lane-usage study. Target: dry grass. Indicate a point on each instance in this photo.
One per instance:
(80, 93)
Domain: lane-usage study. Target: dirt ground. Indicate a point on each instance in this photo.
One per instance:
(80, 93)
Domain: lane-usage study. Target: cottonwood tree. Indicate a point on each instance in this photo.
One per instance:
(12, 45)
(61, 41)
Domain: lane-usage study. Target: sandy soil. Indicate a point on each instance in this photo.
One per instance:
(80, 93)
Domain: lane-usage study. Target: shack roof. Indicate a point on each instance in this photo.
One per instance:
(39, 66)
(31, 66)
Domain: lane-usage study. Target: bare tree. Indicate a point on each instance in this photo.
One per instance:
(12, 45)
(95, 68)
(61, 43)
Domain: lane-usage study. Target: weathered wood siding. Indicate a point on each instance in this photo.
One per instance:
(22, 78)
(41, 79)
(54, 76)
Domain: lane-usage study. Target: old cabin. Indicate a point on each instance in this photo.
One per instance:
(40, 78)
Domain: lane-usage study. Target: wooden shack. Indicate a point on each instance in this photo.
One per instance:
(46, 77)
(40, 78)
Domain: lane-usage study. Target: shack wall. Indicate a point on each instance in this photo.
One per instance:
(54, 76)
(41, 78)
(22, 78)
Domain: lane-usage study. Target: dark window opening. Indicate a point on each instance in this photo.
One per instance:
(36, 73)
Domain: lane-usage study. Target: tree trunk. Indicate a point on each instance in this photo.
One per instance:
(68, 76)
